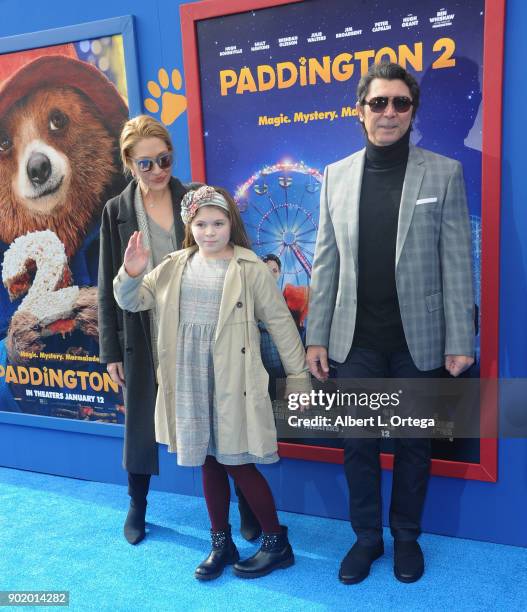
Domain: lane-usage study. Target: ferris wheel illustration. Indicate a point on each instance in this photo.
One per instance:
(279, 206)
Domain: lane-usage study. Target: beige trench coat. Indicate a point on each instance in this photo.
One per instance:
(245, 417)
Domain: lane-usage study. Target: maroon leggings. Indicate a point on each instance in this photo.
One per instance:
(250, 482)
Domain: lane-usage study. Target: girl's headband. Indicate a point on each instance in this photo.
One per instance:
(195, 199)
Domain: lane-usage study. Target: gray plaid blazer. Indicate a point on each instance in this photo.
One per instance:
(433, 268)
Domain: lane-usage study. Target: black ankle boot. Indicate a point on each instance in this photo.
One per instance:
(134, 526)
(275, 553)
(249, 525)
(224, 552)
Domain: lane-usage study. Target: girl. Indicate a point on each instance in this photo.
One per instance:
(213, 405)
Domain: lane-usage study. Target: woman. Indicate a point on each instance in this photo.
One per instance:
(150, 203)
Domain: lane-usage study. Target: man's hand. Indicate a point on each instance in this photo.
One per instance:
(457, 364)
(317, 361)
(116, 372)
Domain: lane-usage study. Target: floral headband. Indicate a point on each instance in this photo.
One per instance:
(195, 199)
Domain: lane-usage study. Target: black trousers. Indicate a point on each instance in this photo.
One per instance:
(362, 462)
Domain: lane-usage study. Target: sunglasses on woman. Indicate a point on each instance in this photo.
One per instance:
(164, 161)
(401, 104)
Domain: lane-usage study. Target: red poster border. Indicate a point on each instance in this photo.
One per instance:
(487, 468)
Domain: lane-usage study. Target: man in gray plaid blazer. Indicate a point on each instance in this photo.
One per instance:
(391, 296)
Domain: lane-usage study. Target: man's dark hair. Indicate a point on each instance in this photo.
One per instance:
(273, 257)
(390, 72)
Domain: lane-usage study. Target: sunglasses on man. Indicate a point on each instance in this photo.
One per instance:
(164, 161)
(401, 104)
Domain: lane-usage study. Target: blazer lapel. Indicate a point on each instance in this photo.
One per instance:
(352, 195)
(413, 178)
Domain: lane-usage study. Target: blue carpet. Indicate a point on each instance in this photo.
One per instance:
(64, 534)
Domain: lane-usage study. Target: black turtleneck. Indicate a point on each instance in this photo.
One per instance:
(378, 325)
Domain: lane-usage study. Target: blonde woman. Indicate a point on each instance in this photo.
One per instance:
(151, 203)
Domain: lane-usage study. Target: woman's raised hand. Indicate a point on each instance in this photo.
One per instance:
(135, 256)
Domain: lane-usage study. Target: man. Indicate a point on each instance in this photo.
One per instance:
(274, 264)
(391, 296)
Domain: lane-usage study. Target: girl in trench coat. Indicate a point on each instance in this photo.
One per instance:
(213, 406)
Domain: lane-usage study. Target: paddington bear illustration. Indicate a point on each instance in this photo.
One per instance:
(60, 120)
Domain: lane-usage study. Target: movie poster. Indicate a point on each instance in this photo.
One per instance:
(278, 92)
(61, 111)
(278, 96)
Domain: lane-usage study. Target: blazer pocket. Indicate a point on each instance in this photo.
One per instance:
(426, 209)
(426, 201)
(434, 301)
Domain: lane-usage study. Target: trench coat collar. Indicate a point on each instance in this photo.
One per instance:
(240, 253)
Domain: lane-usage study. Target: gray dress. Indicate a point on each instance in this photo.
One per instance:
(162, 241)
(196, 417)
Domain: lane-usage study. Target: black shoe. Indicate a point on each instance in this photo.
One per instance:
(355, 566)
(409, 563)
(275, 553)
(249, 525)
(134, 526)
(224, 552)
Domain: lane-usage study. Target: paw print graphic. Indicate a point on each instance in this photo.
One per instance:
(172, 104)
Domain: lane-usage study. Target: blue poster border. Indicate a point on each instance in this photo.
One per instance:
(123, 25)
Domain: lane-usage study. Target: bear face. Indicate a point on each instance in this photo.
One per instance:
(58, 165)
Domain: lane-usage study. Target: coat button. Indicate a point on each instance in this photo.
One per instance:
(129, 349)
(244, 393)
(239, 304)
(243, 350)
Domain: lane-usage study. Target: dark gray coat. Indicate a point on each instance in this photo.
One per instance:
(125, 336)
